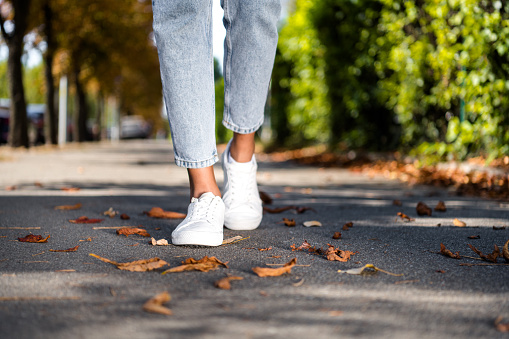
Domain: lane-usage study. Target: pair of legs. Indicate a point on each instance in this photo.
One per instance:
(183, 34)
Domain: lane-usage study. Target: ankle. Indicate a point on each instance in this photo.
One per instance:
(242, 147)
(202, 180)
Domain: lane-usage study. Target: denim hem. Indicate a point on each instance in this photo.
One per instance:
(240, 130)
(197, 164)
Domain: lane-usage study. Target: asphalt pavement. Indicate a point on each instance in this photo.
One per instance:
(46, 294)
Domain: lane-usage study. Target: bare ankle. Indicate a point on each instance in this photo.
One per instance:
(202, 180)
(242, 147)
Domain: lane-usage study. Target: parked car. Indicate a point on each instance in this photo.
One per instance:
(133, 127)
(4, 124)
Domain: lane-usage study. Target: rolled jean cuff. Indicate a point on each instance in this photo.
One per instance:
(197, 164)
(237, 129)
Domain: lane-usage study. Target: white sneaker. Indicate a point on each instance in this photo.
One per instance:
(243, 206)
(203, 224)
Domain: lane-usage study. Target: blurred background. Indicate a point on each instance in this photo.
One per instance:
(423, 77)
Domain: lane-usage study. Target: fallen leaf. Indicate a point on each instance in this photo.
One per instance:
(70, 189)
(232, 240)
(488, 257)
(110, 212)
(474, 237)
(266, 199)
(361, 270)
(88, 239)
(11, 188)
(34, 238)
(155, 304)
(335, 313)
(312, 223)
(224, 283)
(458, 223)
(347, 226)
(505, 251)
(337, 235)
(397, 203)
(69, 207)
(335, 254)
(135, 266)
(124, 216)
(306, 190)
(305, 246)
(264, 249)
(495, 228)
(448, 253)
(85, 220)
(423, 209)
(72, 249)
(275, 272)
(37, 184)
(205, 264)
(403, 216)
(500, 326)
(278, 209)
(303, 209)
(157, 212)
(160, 242)
(127, 231)
(440, 271)
(440, 207)
(288, 222)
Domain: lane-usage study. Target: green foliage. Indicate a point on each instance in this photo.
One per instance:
(440, 68)
(33, 81)
(223, 134)
(4, 84)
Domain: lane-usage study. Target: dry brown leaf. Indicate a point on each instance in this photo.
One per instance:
(440, 271)
(304, 247)
(110, 212)
(312, 223)
(70, 189)
(423, 209)
(233, 239)
(155, 304)
(133, 230)
(157, 212)
(135, 266)
(335, 254)
(69, 207)
(34, 238)
(266, 199)
(448, 253)
(347, 226)
(440, 207)
(303, 209)
(278, 209)
(72, 249)
(85, 220)
(37, 184)
(500, 326)
(160, 242)
(224, 283)
(361, 270)
(289, 222)
(505, 251)
(275, 272)
(458, 223)
(403, 216)
(474, 237)
(397, 203)
(124, 216)
(205, 264)
(337, 235)
(488, 257)
(11, 188)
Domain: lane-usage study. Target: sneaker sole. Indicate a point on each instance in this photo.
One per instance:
(244, 225)
(199, 239)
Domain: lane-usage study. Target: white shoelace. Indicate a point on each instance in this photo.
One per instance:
(204, 209)
(242, 187)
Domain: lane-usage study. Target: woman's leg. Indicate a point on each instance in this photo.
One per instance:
(250, 47)
(183, 32)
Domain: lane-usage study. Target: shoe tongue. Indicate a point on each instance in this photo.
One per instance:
(206, 196)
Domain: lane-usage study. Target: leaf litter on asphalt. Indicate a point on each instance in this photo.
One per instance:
(205, 264)
(224, 283)
(34, 238)
(448, 253)
(127, 231)
(155, 304)
(135, 266)
(85, 220)
(72, 249)
(160, 242)
(69, 207)
(423, 209)
(275, 272)
(365, 269)
(157, 212)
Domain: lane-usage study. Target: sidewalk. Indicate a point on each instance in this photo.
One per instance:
(46, 294)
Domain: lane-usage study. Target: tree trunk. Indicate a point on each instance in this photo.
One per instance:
(18, 124)
(50, 118)
(80, 112)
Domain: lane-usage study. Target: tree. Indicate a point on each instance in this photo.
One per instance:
(50, 117)
(18, 134)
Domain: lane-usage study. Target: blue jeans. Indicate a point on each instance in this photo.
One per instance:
(183, 34)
